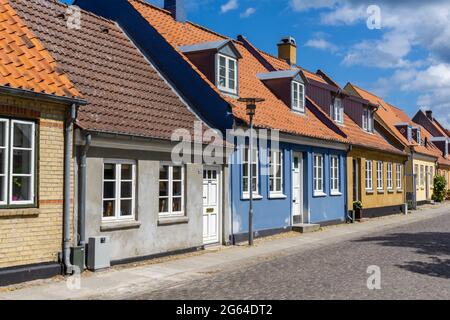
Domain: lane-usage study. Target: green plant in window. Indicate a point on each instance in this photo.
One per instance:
(357, 205)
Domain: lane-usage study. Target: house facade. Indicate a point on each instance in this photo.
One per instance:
(292, 183)
(423, 155)
(37, 105)
(136, 189)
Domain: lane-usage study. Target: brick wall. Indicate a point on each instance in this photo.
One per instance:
(34, 235)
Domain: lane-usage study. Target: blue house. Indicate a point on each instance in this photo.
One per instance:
(299, 182)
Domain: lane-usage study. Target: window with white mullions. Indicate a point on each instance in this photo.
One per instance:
(334, 174)
(369, 175)
(21, 158)
(380, 175)
(246, 167)
(227, 74)
(298, 96)
(4, 131)
(399, 175)
(118, 190)
(171, 190)
(276, 172)
(318, 174)
(367, 120)
(338, 111)
(390, 177)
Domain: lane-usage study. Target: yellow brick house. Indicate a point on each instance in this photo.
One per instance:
(35, 104)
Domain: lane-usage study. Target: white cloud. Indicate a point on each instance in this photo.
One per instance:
(321, 44)
(304, 5)
(247, 13)
(229, 6)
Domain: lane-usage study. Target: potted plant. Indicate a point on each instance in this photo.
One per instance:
(358, 208)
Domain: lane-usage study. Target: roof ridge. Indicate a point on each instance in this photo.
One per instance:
(89, 13)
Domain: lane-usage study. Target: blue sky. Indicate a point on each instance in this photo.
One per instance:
(406, 59)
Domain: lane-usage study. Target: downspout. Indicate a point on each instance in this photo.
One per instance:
(82, 196)
(347, 183)
(67, 166)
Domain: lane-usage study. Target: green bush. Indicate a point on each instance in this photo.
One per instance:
(439, 189)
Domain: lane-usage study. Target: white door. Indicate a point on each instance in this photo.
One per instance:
(211, 205)
(297, 189)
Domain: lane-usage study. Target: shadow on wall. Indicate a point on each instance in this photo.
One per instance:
(435, 245)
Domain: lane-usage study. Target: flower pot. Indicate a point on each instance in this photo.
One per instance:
(358, 214)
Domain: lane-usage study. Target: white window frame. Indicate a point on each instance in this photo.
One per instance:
(227, 88)
(318, 174)
(367, 120)
(399, 174)
(246, 193)
(170, 196)
(380, 175)
(276, 161)
(369, 175)
(334, 175)
(10, 174)
(5, 163)
(299, 103)
(338, 110)
(390, 176)
(422, 176)
(118, 192)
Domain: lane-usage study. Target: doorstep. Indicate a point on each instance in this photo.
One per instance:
(305, 227)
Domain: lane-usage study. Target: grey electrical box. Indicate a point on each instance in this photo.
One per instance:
(99, 253)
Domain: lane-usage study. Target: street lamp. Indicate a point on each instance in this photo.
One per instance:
(251, 111)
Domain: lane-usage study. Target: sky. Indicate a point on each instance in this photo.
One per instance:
(398, 49)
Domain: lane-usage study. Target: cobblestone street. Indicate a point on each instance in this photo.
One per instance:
(414, 261)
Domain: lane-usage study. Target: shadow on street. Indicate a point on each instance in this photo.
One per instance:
(435, 245)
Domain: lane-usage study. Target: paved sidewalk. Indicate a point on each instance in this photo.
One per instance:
(120, 283)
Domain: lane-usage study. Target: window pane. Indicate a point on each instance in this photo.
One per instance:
(127, 172)
(126, 208)
(109, 208)
(22, 161)
(2, 189)
(177, 187)
(109, 190)
(163, 205)
(255, 184)
(222, 72)
(126, 189)
(271, 182)
(278, 185)
(176, 205)
(109, 171)
(2, 134)
(2, 161)
(245, 185)
(21, 189)
(177, 173)
(164, 173)
(23, 134)
(163, 189)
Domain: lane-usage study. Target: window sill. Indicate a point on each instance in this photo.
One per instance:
(255, 197)
(17, 213)
(277, 196)
(399, 191)
(391, 191)
(380, 191)
(369, 192)
(167, 221)
(319, 194)
(119, 225)
(336, 193)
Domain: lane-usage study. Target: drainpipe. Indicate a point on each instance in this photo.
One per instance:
(82, 196)
(67, 166)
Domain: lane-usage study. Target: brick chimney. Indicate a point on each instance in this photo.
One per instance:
(429, 114)
(176, 7)
(287, 50)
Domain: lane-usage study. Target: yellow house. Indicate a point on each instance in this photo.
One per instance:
(421, 165)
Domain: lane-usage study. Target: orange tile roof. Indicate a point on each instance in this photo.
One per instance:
(272, 113)
(24, 63)
(393, 116)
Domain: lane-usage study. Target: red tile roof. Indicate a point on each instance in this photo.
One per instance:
(272, 113)
(125, 94)
(24, 63)
(393, 116)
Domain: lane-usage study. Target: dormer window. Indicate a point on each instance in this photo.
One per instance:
(367, 120)
(227, 74)
(298, 96)
(419, 137)
(338, 111)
